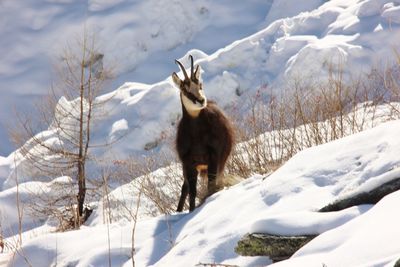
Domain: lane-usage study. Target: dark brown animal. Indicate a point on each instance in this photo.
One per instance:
(204, 136)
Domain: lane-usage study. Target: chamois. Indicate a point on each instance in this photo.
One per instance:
(204, 136)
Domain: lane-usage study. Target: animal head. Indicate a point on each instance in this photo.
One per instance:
(191, 88)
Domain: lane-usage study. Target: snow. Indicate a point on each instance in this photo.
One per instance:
(120, 127)
(139, 39)
(30, 195)
(391, 12)
(283, 203)
(284, 9)
(263, 42)
(305, 222)
(357, 243)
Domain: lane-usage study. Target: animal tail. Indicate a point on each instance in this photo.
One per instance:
(202, 170)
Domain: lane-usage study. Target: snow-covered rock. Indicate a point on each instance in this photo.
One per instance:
(284, 203)
(263, 42)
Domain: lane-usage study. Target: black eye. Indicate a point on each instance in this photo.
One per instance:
(190, 96)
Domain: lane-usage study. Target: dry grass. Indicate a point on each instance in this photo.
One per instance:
(278, 125)
(274, 127)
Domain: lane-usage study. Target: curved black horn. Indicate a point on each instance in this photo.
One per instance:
(191, 67)
(182, 68)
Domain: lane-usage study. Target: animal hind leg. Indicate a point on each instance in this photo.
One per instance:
(192, 179)
(212, 179)
(184, 193)
(211, 182)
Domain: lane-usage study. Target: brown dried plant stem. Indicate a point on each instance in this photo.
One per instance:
(283, 122)
(70, 120)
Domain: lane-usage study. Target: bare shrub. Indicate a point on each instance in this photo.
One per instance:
(278, 125)
(68, 114)
(159, 187)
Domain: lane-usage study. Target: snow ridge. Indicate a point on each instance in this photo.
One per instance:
(267, 42)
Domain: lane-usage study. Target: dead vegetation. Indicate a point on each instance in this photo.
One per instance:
(274, 127)
(278, 125)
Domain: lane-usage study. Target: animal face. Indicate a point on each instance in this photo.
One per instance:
(192, 94)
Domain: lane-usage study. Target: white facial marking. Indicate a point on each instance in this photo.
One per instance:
(193, 108)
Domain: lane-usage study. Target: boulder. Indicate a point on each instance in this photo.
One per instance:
(277, 248)
(371, 197)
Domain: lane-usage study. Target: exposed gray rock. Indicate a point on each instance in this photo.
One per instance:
(277, 248)
(371, 197)
(151, 145)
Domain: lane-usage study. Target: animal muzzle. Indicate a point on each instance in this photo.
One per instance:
(201, 100)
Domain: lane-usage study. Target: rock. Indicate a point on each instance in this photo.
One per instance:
(277, 248)
(371, 197)
(151, 145)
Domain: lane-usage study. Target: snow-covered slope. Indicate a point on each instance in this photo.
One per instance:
(262, 42)
(139, 40)
(364, 241)
(282, 203)
(336, 34)
(142, 38)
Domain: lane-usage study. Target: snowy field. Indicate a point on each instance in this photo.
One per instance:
(283, 203)
(263, 42)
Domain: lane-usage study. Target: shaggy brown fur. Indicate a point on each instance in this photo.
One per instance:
(203, 142)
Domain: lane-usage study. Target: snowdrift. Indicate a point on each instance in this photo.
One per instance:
(305, 40)
(334, 36)
(268, 42)
(284, 203)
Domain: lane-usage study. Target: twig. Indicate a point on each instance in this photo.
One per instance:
(215, 265)
(134, 224)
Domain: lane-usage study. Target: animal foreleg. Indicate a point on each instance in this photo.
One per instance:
(184, 193)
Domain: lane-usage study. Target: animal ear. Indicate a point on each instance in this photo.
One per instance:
(197, 72)
(176, 80)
